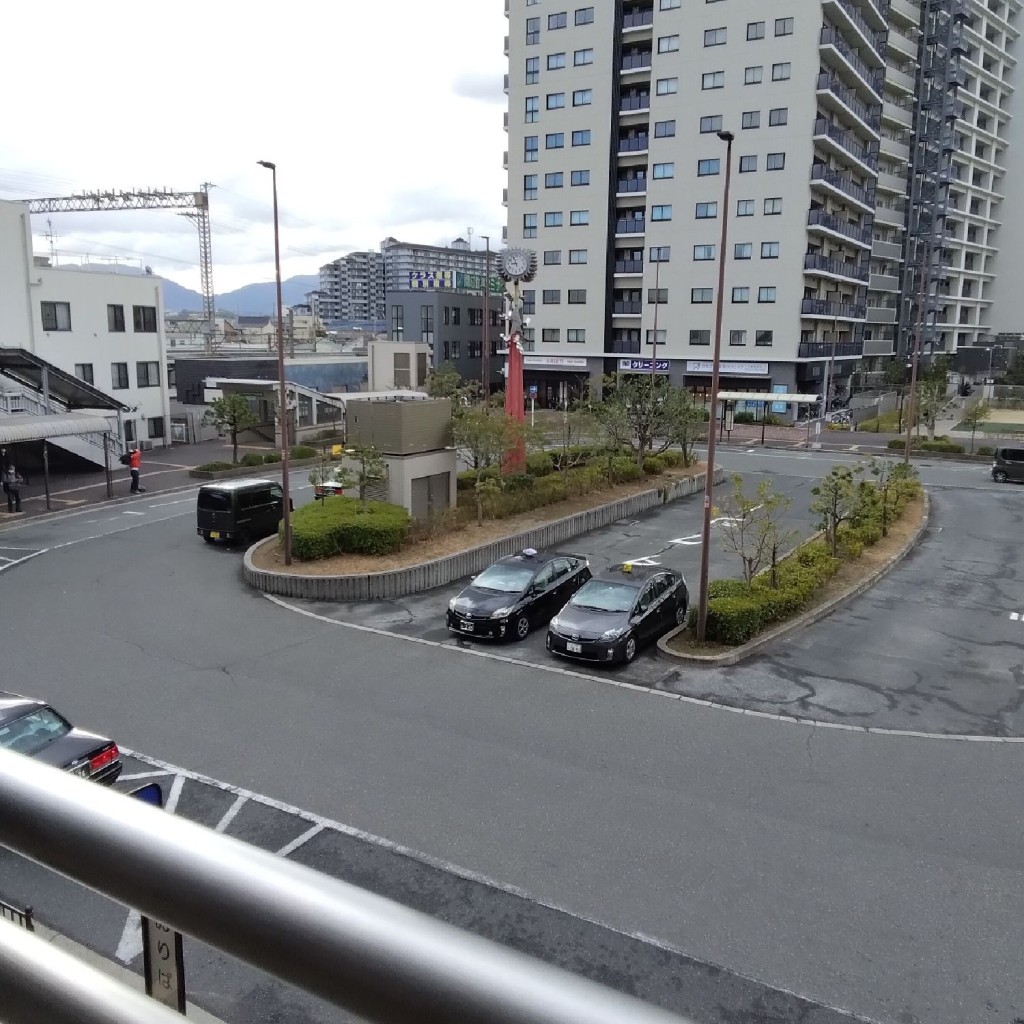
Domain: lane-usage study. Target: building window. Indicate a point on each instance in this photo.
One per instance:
(743, 251)
(703, 252)
(712, 37)
(532, 31)
(769, 250)
(579, 217)
(553, 219)
(701, 296)
(83, 371)
(552, 257)
(765, 294)
(584, 15)
(584, 56)
(148, 375)
(755, 30)
(670, 5)
(530, 145)
(775, 161)
(118, 376)
(657, 296)
(778, 116)
(707, 211)
(663, 212)
(529, 300)
(456, 348)
(554, 140)
(737, 337)
(751, 119)
(529, 225)
(666, 86)
(581, 138)
(670, 44)
(664, 129)
(712, 123)
(56, 316)
(397, 322)
(748, 164)
(582, 97)
(712, 80)
(446, 316)
(664, 171)
(763, 339)
(783, 26)
(773, 206)
(556, 61)
(156, 427)
(753, 75)
(529, 186)
(144, 319)
(551, 296)
(700, 337)
(577, 296)
(550, 334)
(475, 349)
(555, 100)
(707, 167)
(577, 255)
(658, 337)
(576, 335)
(532, 109)
(741, 295)
(532, 70)
(744, 207)
(781, 72)
(554, 179)
(427, 323)
(115, 319)
(456, 316)
(661, 253)
(559, 20)
(579, 178)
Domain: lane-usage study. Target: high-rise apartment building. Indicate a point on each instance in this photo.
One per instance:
(352, 289)
(616, 174)
(401, 259)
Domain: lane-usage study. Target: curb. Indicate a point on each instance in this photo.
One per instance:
(808, 618)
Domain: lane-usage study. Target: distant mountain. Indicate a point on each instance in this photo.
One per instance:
(249, 300)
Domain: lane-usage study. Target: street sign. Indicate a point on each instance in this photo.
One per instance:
(533, 390)
(817, 426)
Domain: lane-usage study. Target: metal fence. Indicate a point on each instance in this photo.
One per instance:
(359, 951)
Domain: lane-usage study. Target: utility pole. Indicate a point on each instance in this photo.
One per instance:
(913, 364)
(654, 347)
(831, 368)
(485, 351)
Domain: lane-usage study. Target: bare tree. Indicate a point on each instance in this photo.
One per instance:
(752, 526)
(975, 415)
(481, 441)
(575, 424)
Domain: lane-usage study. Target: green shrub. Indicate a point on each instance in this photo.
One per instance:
(654, 465)
(733, 620)
(303, 451)
(251, 459)
(942, 445)
(467, 481)
(625, 469)
(340, 525)
(899, 442)
(215, 467)
(672, 459)
(517, 482)
(272, 457)
(727, 588)
(539, 464)
(985, 450)
(574, 455)
(585, 479)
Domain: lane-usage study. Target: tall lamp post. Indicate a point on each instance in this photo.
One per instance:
(282, 410)
(911, 418)
(485, 349)
(709, 482)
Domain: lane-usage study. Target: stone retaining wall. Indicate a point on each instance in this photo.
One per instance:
(386, 586)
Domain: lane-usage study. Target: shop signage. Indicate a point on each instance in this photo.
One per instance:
(643, 364)
(728, 369)
(555, 363)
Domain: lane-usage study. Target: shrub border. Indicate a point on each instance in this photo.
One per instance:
(395, 583)
(268, 467)
(807, 618)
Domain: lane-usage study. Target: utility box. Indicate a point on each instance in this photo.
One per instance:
(400, 428)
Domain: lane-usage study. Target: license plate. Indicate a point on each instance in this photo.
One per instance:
(467, 627)
(215, 535)
(574, 648)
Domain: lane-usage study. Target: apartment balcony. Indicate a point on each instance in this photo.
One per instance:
(627, 308)
(631, 186)
(629, 266)
(826, 310)
(630, 226)
(835, 95)
(905, 9)
(895, 114)
(505, 121)
(842, 144)
(828, 349)
(829, 266)
(636, 60)
(894, 148)
(830, 224)
(868, 41)
(624, 343)
(886, 250)
(892, 183)
(840, 55)
(634, 143)
(505, 86)
(637, 17)
(884, 283)
(506, 46)
(901, 45)
(839, 185)
(879, 346)
(504, 197)
(634, 102)
(891, 214)
(900, 80)
(504, 160)
(881, 312)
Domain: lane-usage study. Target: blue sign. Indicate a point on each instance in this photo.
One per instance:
(533, 390)
(779, 389)
(662, 365)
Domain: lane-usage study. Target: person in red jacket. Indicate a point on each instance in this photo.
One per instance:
(135, 468)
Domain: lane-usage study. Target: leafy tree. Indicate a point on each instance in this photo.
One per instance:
(976, 414)
(445, 381)
(895, 373)
(369, 467)
(1015, 371)
(232, 414)
(837, 499)
(643, 413)
(751, 526)
(688, 424)
(893, 484)
(575, 425)
(481, 441)
(930, 401)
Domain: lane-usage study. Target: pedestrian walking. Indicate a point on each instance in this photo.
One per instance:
(3, 471)
(12, 487)
(135, 469)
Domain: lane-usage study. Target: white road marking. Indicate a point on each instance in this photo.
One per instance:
(1014, 616)
(229, 814)
(646, 690)
(141, 775)
(11, 563)
(300, 840)
(164, 504)
(126, 512)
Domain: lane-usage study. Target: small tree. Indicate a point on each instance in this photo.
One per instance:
(643, 413)
(232, 414)
(752, 526)
(975, 415)
(687, 425)
(931, 399)
(481, 441)
(837, 499)
(575, 425)
(369, 468)
(445, 381)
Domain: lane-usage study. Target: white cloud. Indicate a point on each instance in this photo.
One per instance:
(382, 119)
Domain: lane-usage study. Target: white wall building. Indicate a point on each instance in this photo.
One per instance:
(105, 328)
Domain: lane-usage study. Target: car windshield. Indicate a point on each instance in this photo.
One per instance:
(604, 596)
(33, 731)
(215, 501)
(505, 578)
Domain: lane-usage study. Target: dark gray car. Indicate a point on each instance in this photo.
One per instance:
(1008, 464)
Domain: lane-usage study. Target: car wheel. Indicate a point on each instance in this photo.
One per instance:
(547, 642)
(522, 627)
(629, 650)
(681, 615)
(999, 477)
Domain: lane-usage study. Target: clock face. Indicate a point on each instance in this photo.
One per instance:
(516, 262)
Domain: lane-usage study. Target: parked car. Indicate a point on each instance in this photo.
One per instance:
(1008, 464)
(617, 612)
(517, 593)
(239, 510)
(33, 728)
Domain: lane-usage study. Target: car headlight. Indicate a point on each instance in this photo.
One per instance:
(501, 613)
(614, 634)
(555, 624)
(451, 604)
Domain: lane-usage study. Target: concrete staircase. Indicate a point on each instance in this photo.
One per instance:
(17, 400)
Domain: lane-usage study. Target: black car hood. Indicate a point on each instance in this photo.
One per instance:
(71, 747)
(480, 602)
(588, 624)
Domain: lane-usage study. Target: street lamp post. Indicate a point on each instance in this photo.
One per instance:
(654, 345)
(913, 366)
(705, 533)
(485, 349)
(282, 408)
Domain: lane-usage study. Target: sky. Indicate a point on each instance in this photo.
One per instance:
(383, 119)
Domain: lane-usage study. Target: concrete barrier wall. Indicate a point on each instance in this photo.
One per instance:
(386, 586)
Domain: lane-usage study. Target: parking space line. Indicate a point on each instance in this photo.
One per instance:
(229, 814)
(300, 840)
(142, 775)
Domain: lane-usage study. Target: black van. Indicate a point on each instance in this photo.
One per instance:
(238, 511)
(1008, 464)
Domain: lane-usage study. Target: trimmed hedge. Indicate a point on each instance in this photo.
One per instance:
(940, 444)
(252, 459)
(215, 467)
(985, 450)
(272, 457)
(539, 464)
(303, 451)
(340, 525)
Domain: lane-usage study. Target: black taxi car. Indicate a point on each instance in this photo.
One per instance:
(617, 612)
(514, 594)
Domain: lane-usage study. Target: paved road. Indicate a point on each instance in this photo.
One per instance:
(875, 873)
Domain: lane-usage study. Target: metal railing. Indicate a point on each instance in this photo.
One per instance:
(22, 401)
(358, 951)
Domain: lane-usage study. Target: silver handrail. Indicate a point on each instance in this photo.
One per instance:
(357, 950)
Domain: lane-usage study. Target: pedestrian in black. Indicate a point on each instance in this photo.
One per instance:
(3, 470)
(12, 485)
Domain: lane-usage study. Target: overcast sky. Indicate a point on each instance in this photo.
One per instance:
(383, 119)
